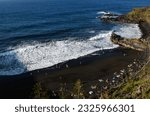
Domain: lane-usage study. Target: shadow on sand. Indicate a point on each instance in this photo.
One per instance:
(14, 86)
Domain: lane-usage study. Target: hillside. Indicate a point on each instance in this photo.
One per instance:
(136, 86)
(139, 14)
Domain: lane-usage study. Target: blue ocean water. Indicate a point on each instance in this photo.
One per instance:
(40, 33)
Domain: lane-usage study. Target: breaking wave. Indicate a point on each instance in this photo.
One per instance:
(107, 12)
(103, 12)
(28, 57)
(128, 31)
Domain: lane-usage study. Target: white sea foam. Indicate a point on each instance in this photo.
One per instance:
(104, 35)
(103, 12)
(107, 12)
(42, 55)
(36, 55)
(128, 31)
(92, 31)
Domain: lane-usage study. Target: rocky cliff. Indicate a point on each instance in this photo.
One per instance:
(129, 43)
(137, 86)
(140, 16)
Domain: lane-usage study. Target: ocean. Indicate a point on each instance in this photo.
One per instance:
(36, 34)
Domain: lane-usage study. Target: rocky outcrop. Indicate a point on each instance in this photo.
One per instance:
(141, 77)
(129, 43)
(114, 18)
(140, 16)
(110, 17)
(137, 15)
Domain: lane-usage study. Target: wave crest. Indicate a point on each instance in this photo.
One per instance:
(42, 55)
(36, 55)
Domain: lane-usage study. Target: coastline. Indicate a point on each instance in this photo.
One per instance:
(89, 69)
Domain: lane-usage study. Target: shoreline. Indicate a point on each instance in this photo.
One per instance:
(89, 70)
(100, 70)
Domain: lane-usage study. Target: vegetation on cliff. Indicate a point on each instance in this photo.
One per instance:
(139, 85)
(137, 88)
(139, 14)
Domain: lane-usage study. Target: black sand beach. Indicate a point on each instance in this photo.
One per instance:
(104, 70)
(89, 70)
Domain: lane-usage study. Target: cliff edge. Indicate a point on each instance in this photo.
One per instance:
(136, 86)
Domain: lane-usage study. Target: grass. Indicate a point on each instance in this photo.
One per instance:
(139, 14)
(39, 92)
(138, 88)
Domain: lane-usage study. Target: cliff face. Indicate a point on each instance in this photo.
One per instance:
(138, 85)
(140, 16)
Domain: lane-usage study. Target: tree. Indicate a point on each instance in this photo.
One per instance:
(39, 92)
(77, 92)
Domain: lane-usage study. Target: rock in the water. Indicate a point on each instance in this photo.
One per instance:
(109, 17)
